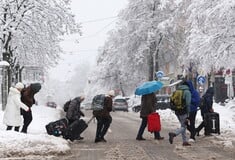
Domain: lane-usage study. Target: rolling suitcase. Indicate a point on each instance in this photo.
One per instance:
(75, 129)
(57, 128)
(212, 123)
(154, 123)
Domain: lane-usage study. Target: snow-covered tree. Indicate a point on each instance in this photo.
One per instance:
(30, 30)
(128, 56)
(193, 35)
(211, 34)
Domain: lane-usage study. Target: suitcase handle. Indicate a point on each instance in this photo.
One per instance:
(90, 119)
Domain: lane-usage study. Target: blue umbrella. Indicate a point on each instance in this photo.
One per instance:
(148, 87)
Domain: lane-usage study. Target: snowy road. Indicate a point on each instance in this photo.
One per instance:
(122, 145)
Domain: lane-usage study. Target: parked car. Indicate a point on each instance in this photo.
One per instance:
(120, 104)
(136, 108)
(51, 104)
(163, 101)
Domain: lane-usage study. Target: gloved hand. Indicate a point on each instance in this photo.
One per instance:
(211, 110)
(82, 114)
(187, 121)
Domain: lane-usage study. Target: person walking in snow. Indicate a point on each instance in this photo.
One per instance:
(207, 99)
(195, 101)
(182, 116)
(103, 117)
(74, 111)
(12, 117)
(147, 106)
(27, 97)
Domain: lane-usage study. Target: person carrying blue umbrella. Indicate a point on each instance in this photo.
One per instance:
(147, 107)
(148, 100)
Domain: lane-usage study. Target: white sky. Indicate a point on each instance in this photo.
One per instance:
(38, 142)
(93, 33)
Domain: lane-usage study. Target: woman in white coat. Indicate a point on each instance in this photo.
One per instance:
(12, 117)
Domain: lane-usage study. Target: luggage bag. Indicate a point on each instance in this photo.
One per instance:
(57, 128)
(212, 123)
(154, 123)
(75, 129)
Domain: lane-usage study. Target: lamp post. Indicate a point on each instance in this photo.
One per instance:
(4, 65)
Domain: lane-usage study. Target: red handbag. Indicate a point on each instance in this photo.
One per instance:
(154, 123)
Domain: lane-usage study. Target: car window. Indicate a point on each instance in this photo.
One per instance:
(119, 100)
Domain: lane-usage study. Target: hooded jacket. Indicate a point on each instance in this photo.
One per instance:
(27, 94)
(208, 96)
(12, 115)
(74, 112)
(195, 97)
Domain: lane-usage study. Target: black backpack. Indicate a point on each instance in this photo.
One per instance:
(66, 105)
(98, 102)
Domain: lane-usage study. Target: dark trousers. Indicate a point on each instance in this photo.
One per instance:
(27, 120)
(202, 125)
(103, 124)
(191, 127)
(16, 128)
(143, 125)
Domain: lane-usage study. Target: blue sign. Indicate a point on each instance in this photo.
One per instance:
(201, 79)
(159, 74)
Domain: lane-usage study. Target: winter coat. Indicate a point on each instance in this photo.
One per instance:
(208, 100)
(147, 104)
(187, 97)
(27, 94)
(105, 112)
(12, 115)
(195, 97)
(74, 112)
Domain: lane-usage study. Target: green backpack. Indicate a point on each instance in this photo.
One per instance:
(177, 101)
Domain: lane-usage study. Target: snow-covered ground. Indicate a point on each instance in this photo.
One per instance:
(37, 141)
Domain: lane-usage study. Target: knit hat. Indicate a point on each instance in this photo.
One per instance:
(82, 97)
(111, 93)
(19, 85)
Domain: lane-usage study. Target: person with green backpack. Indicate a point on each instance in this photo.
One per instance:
(180, 103)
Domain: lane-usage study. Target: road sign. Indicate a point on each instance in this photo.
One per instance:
(201, 79)
(159, 74)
